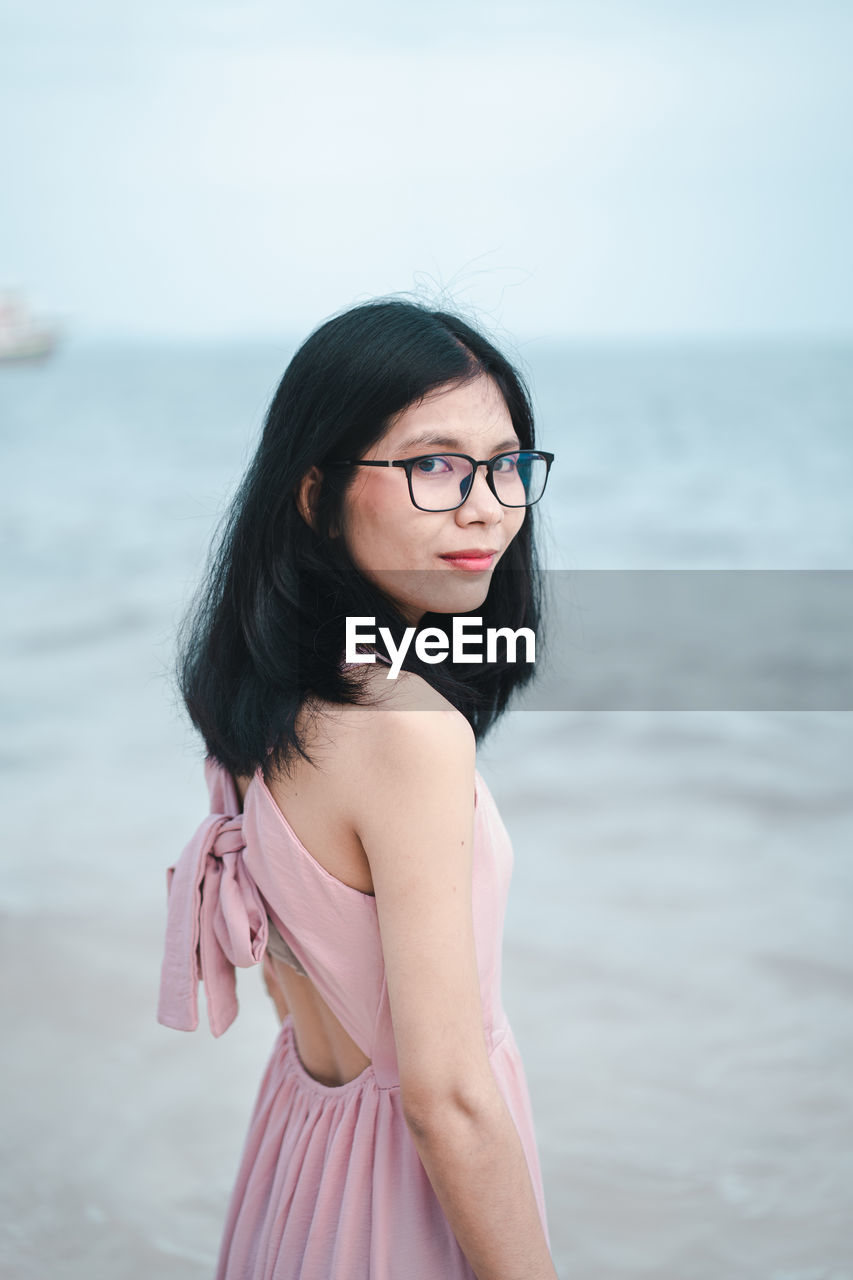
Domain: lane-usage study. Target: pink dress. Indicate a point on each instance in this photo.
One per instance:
(330, 1184)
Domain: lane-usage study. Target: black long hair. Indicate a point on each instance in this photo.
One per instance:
(266, 629)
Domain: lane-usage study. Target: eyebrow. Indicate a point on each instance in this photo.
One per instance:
(450, 442)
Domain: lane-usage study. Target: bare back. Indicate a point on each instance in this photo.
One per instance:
(317, 801)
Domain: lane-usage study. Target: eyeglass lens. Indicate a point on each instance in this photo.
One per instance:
(441, 482)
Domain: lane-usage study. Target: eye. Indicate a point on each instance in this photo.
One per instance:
(434, 465)
(506, 463)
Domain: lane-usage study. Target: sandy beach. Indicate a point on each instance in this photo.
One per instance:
(677, 971)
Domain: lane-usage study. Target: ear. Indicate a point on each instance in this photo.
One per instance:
(308, 495)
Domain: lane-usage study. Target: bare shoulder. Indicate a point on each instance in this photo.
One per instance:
(403, 713)
(369, 760)
(408, 730)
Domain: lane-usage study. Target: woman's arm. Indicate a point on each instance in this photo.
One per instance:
(414, 813)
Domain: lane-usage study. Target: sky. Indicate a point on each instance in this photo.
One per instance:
(203, 169)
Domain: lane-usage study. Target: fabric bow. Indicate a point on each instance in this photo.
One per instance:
(216, 920)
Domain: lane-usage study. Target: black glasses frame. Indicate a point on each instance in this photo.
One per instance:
(488, 463)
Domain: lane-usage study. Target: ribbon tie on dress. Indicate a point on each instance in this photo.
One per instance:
(216, 920)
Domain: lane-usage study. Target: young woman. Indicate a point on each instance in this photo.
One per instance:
(351, 844)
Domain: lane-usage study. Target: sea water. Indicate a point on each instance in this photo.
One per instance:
(678, 967)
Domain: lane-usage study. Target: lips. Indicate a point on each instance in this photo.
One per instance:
(470, 552)
(472, 558)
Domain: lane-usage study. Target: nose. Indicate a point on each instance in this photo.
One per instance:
(480, 502)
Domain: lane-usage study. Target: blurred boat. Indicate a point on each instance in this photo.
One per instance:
(22, 336)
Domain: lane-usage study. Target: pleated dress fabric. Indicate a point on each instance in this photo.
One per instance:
(330, 1185)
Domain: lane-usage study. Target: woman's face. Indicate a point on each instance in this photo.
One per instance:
(406, 552)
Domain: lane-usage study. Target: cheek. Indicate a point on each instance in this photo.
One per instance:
(518, 517)
(380, 517)
(370, 521)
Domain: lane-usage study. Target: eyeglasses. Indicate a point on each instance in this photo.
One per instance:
(442, 481)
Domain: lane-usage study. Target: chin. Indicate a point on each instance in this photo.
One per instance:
(421, 591)
(459, 598)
